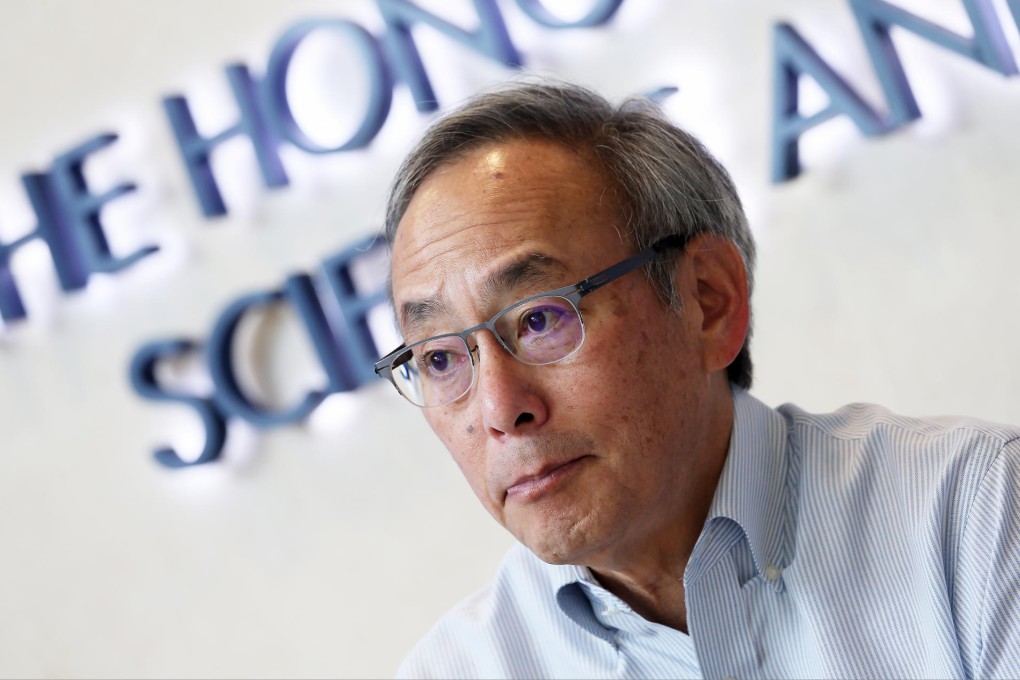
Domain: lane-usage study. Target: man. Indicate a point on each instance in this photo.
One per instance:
(572, 281)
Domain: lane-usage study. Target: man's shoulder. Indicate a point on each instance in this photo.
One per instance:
(871, 462)
(468, 638)
(928, 504)
(865, 427)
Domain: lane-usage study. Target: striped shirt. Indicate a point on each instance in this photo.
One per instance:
(853, 544)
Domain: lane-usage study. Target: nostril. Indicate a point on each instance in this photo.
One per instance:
(524, 418)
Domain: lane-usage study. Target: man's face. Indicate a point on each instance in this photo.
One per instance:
(583, 460)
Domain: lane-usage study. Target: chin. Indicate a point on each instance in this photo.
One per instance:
(552, 555)
(566, 543)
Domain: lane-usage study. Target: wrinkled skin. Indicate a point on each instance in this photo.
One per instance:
(609, 458)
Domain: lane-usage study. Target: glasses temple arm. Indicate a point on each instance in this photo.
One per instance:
(609, 275)
(381, 364)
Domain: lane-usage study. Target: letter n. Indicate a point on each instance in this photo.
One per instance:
(875, 19)
(490, 39)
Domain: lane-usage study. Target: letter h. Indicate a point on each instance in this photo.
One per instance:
(197, 149)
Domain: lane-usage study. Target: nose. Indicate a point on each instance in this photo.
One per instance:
(511, 402)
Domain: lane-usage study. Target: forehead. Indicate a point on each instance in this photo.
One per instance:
(501, 203)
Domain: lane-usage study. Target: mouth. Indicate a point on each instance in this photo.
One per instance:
(533, 486)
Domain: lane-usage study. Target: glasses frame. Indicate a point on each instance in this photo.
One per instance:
(573, 294)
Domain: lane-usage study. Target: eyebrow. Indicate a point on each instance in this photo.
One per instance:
(529, 269)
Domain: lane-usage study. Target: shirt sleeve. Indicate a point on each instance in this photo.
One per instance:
(990, 556)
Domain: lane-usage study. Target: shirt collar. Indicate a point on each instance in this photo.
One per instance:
(578, 596)
(565, 574)
(752, 487)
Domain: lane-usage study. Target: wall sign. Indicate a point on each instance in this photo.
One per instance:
(794, 57)
(332, 308)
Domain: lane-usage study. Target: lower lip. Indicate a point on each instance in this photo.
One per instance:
(539, 486)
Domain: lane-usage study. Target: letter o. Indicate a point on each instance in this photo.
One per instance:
(380, 80)
(601, 13)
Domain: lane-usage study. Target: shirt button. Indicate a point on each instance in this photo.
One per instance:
(772, 572)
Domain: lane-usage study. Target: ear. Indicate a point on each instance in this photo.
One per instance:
(719, 291)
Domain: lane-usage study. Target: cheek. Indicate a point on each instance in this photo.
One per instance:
(614, 361)
(464, 439)
(630, 377)
(607, 392)
(456, 433)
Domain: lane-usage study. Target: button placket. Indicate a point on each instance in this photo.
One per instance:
(717, 612)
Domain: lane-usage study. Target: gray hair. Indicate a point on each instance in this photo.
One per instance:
(666, 180)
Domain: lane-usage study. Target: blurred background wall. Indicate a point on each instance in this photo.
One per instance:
(328, 547)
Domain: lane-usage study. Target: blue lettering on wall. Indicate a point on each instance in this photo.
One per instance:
(145, 384)
(221, 351)
(81, 208)
(197, 150)
(380, 83)
(68, 261)
(600, 13)
(68, 222)
(265, 114)
(353, 306)
(875, 18)
(331, 308)
(335, 312)
(340, 337)
(491, 39)
(795, 58)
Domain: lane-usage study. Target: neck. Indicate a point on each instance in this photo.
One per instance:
(648, 574)
(657, 595)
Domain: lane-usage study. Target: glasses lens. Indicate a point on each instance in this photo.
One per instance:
(435, 371)
(541, 330)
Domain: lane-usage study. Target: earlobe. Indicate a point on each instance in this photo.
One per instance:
(720, 292)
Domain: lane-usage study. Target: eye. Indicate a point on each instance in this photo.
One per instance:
(540, 320)
(438, 362)
(537, 321)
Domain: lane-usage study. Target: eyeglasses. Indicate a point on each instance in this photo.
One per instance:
(538, 330)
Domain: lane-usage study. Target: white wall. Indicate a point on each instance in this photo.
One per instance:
(886, 274)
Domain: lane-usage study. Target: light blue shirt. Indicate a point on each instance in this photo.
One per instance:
(853, 544)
